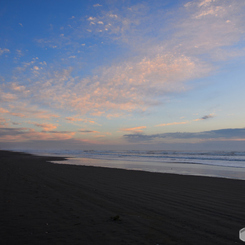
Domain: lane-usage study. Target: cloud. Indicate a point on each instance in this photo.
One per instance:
(91, 18)
(196, 27)
(87, 131)
(212, 26)
(12, 131)
(45, 126)
(36, 68)
(220, 134)
(18, 88)
(42, 114)
(133, 85)
(76, 119)
(2, 110)
(170, 124)
(205, 3)
(16, 114)
(135, 129)
(185, 122)
(5, 50)
(97, 5)
(15, 123)
(207, 116)
(161, 57)
(31, 112)
(3, 122)
(27, 134)
(6, 96)
(212, 11)
(19, 53)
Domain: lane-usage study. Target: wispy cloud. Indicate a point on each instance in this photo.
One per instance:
(87, 131)
(77, 119)
(72, 119)
(5, 50)
(97, 5)
(2, 110)
(170, 124)
(45, 126)
(3, 122)
(7, 97)
(16, 123)
(212, 26)
(135, 129)
(132, 85)
(28, 112)
(186, 122)
(27, 134)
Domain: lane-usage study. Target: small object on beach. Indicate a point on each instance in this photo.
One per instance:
(78, 223)
(242, 234)
(116, 218)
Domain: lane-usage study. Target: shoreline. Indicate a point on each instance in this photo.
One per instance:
(194, 169)
(209, 169)
(47, 203)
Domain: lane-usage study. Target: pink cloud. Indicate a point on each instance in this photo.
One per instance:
(16, 114)
(20, 88)
(24, 112)
(2, 110)
(170, 124)
(45, 126)
(27, 134)
(73, 119)
(7, 97)
(114, 90)
(3, 122)
(76, 119)
(135, 129)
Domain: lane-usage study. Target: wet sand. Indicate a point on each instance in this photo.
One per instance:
(46, 203)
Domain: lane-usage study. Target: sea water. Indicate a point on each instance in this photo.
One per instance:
(228, 164)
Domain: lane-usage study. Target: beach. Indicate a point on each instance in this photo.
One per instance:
(47, 203)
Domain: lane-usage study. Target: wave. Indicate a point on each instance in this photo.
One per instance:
(217, 158)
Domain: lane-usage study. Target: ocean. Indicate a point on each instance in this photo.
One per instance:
(226, 164)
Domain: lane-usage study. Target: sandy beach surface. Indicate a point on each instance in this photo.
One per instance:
(47, 203)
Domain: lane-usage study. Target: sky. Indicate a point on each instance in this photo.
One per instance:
(126, 74)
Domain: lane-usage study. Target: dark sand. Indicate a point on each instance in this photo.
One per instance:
(46, 203)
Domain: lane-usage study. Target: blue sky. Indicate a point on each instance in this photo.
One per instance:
(122, 74)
